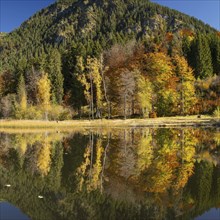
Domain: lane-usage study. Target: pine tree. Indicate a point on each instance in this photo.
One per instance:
(203, 65)
(215, 51)
(55, 76)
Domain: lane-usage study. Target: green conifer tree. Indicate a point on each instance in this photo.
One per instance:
(203, 58)
(55, 75)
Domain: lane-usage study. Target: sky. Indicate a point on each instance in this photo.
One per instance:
(206, 10)
(14, 12)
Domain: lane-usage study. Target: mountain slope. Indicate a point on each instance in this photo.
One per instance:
(93, 24)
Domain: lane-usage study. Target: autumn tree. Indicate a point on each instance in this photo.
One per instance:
(103, 70)
(22, 97)
(44, 93)
(93, 69)
(186, 81)
(159, 68)
(144, 95)
(126, 89)
(44, 158)
(90, 77)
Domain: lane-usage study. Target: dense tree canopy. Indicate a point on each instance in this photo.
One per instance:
(139, 59)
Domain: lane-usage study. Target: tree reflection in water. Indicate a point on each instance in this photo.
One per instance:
(142, 173)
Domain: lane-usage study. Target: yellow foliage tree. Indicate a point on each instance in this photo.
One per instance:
(186, 89)
(44, 158)
(144, 95)
(44, 93)
(81, 171)
(145, 152)
(93, 68)
(97, 168)
(159, 68)
(90, 77)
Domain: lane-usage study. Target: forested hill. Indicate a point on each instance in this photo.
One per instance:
(93, 25)
(64, 38)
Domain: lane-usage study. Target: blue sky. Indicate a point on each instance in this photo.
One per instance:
(206, 10)
(14, 12)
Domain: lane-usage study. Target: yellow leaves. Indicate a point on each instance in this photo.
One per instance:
(183, 70)
(82, 78)
(163, 178)
(160, 70)
(145, 153)
(91, 177)
(217, 138)
(186, 170)
(23, 103)
(79, 65)
(44, 158)
(97, 168)
(93, 67)
(186, 89)
(144, 95)
(44, 91)
(89, 75)
(21, 143)
(81, 171)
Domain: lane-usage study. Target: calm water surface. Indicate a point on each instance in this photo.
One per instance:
(143, 173)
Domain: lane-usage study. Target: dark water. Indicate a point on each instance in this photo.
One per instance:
(111, 174)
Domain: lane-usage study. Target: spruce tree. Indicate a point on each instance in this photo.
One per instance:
(203, 58)
(55, 75)
(215, 51)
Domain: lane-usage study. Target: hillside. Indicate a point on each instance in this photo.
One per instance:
(94, 25)
(61, 39)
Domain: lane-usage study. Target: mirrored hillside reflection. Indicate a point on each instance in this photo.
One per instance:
(142, 173)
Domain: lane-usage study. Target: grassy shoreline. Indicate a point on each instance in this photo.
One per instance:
(178, 121)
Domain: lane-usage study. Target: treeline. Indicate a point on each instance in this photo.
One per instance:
(91, 62)
(34, 90)
(137, 79)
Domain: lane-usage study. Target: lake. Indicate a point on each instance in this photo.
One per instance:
(132, 173)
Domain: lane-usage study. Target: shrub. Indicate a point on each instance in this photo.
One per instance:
(216, 113)
(33, 113)
(58, 112)
(153, 115)
(7, 106)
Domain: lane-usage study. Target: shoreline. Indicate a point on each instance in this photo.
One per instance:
(177, 121)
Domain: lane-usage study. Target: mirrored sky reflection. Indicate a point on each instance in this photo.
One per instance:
(212, 214)
(10, 212)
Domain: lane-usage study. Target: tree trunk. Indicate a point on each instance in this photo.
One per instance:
(92, 95)
(125, 100)
(133, 107)
(104, 86)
